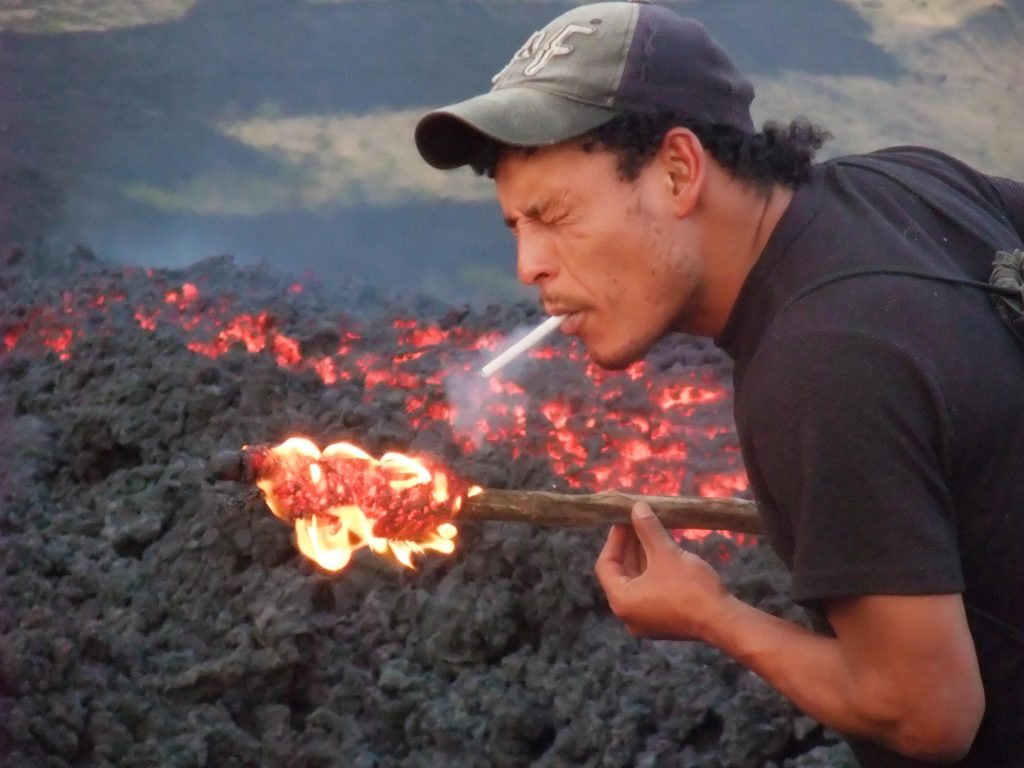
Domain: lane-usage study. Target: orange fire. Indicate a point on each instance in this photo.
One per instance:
(342, 499)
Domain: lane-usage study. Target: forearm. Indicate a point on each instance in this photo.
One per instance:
(814, 673)
(902, 670)
(805, 667)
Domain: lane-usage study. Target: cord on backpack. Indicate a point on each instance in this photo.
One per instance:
(1008, 275)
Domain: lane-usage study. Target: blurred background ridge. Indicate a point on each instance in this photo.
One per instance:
(161, 131)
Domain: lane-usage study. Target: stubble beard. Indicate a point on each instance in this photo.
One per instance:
(683, 273)
(623, 358)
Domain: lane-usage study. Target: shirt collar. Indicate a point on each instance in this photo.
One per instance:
(750, 313)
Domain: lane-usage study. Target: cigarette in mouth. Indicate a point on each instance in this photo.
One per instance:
(529, 340)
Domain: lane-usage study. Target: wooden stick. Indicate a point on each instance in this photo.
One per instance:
(599, 509)
(561, 509)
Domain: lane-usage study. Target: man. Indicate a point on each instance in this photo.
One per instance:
(880, 412)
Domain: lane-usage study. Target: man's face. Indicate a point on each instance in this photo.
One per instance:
(608, 253)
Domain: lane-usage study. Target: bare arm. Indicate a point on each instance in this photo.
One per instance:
(902, 671)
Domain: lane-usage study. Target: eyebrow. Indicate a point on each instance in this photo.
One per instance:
(535, 211)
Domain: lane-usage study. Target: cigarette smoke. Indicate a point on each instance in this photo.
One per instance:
(470, 395)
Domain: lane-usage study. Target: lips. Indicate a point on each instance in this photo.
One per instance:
(572, 322)
(573, 314)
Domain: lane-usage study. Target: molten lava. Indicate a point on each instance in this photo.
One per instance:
(341, 499)
(652, 429)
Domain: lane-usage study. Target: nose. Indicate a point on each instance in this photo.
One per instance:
(535, 260)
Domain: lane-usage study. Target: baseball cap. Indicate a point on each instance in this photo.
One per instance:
(586, 67)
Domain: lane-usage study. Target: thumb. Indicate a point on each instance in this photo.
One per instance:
(648, 527)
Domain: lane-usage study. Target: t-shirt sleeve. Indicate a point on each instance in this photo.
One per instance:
(848, 435)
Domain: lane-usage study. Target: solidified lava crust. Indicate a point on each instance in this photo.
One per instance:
(155, 615)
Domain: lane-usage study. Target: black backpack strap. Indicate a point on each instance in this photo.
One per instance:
(1003, 290)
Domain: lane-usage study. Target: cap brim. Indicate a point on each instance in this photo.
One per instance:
(523, 117)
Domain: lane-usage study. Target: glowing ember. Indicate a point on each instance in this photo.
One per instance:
(341, 499)
(59, 340)
(724, 486)
(685, 395)
(184, 297)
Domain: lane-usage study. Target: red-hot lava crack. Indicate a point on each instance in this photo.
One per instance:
(596, 433)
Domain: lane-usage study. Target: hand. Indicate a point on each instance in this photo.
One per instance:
(656, 588)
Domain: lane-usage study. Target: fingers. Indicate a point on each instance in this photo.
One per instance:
(610, 567)
(615, 546)
(656, 589)
(649, 530)
(629, 549)
(634, 559)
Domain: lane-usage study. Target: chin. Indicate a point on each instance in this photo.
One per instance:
(610, 364)
(619, 359)
(618, 347)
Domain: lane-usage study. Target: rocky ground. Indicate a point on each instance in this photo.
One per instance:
(153, 615)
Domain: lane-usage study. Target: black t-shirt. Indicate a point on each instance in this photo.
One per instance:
(882, 417)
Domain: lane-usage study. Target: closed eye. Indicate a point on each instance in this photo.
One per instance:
(547, 213)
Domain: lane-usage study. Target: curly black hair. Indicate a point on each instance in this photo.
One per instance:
(777, 154)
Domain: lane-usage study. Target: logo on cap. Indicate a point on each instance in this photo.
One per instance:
(541, 52)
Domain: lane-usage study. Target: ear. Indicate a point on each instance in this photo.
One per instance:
(684, 162)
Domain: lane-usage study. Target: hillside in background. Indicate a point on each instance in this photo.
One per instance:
(162, 131)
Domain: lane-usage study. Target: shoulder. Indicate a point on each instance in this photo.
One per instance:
(928, 166)
(908, 156)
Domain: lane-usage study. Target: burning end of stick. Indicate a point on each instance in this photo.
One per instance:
(341, 500)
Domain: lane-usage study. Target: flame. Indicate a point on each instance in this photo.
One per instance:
(341, 500)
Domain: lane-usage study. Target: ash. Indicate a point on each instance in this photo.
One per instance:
(153, 615)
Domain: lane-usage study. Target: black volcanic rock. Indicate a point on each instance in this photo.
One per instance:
(154, 612)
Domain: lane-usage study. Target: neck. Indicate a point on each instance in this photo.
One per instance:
(740, 223)
(775, 204)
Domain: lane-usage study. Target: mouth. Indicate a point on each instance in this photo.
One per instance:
(572, 322)
(572, 312)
